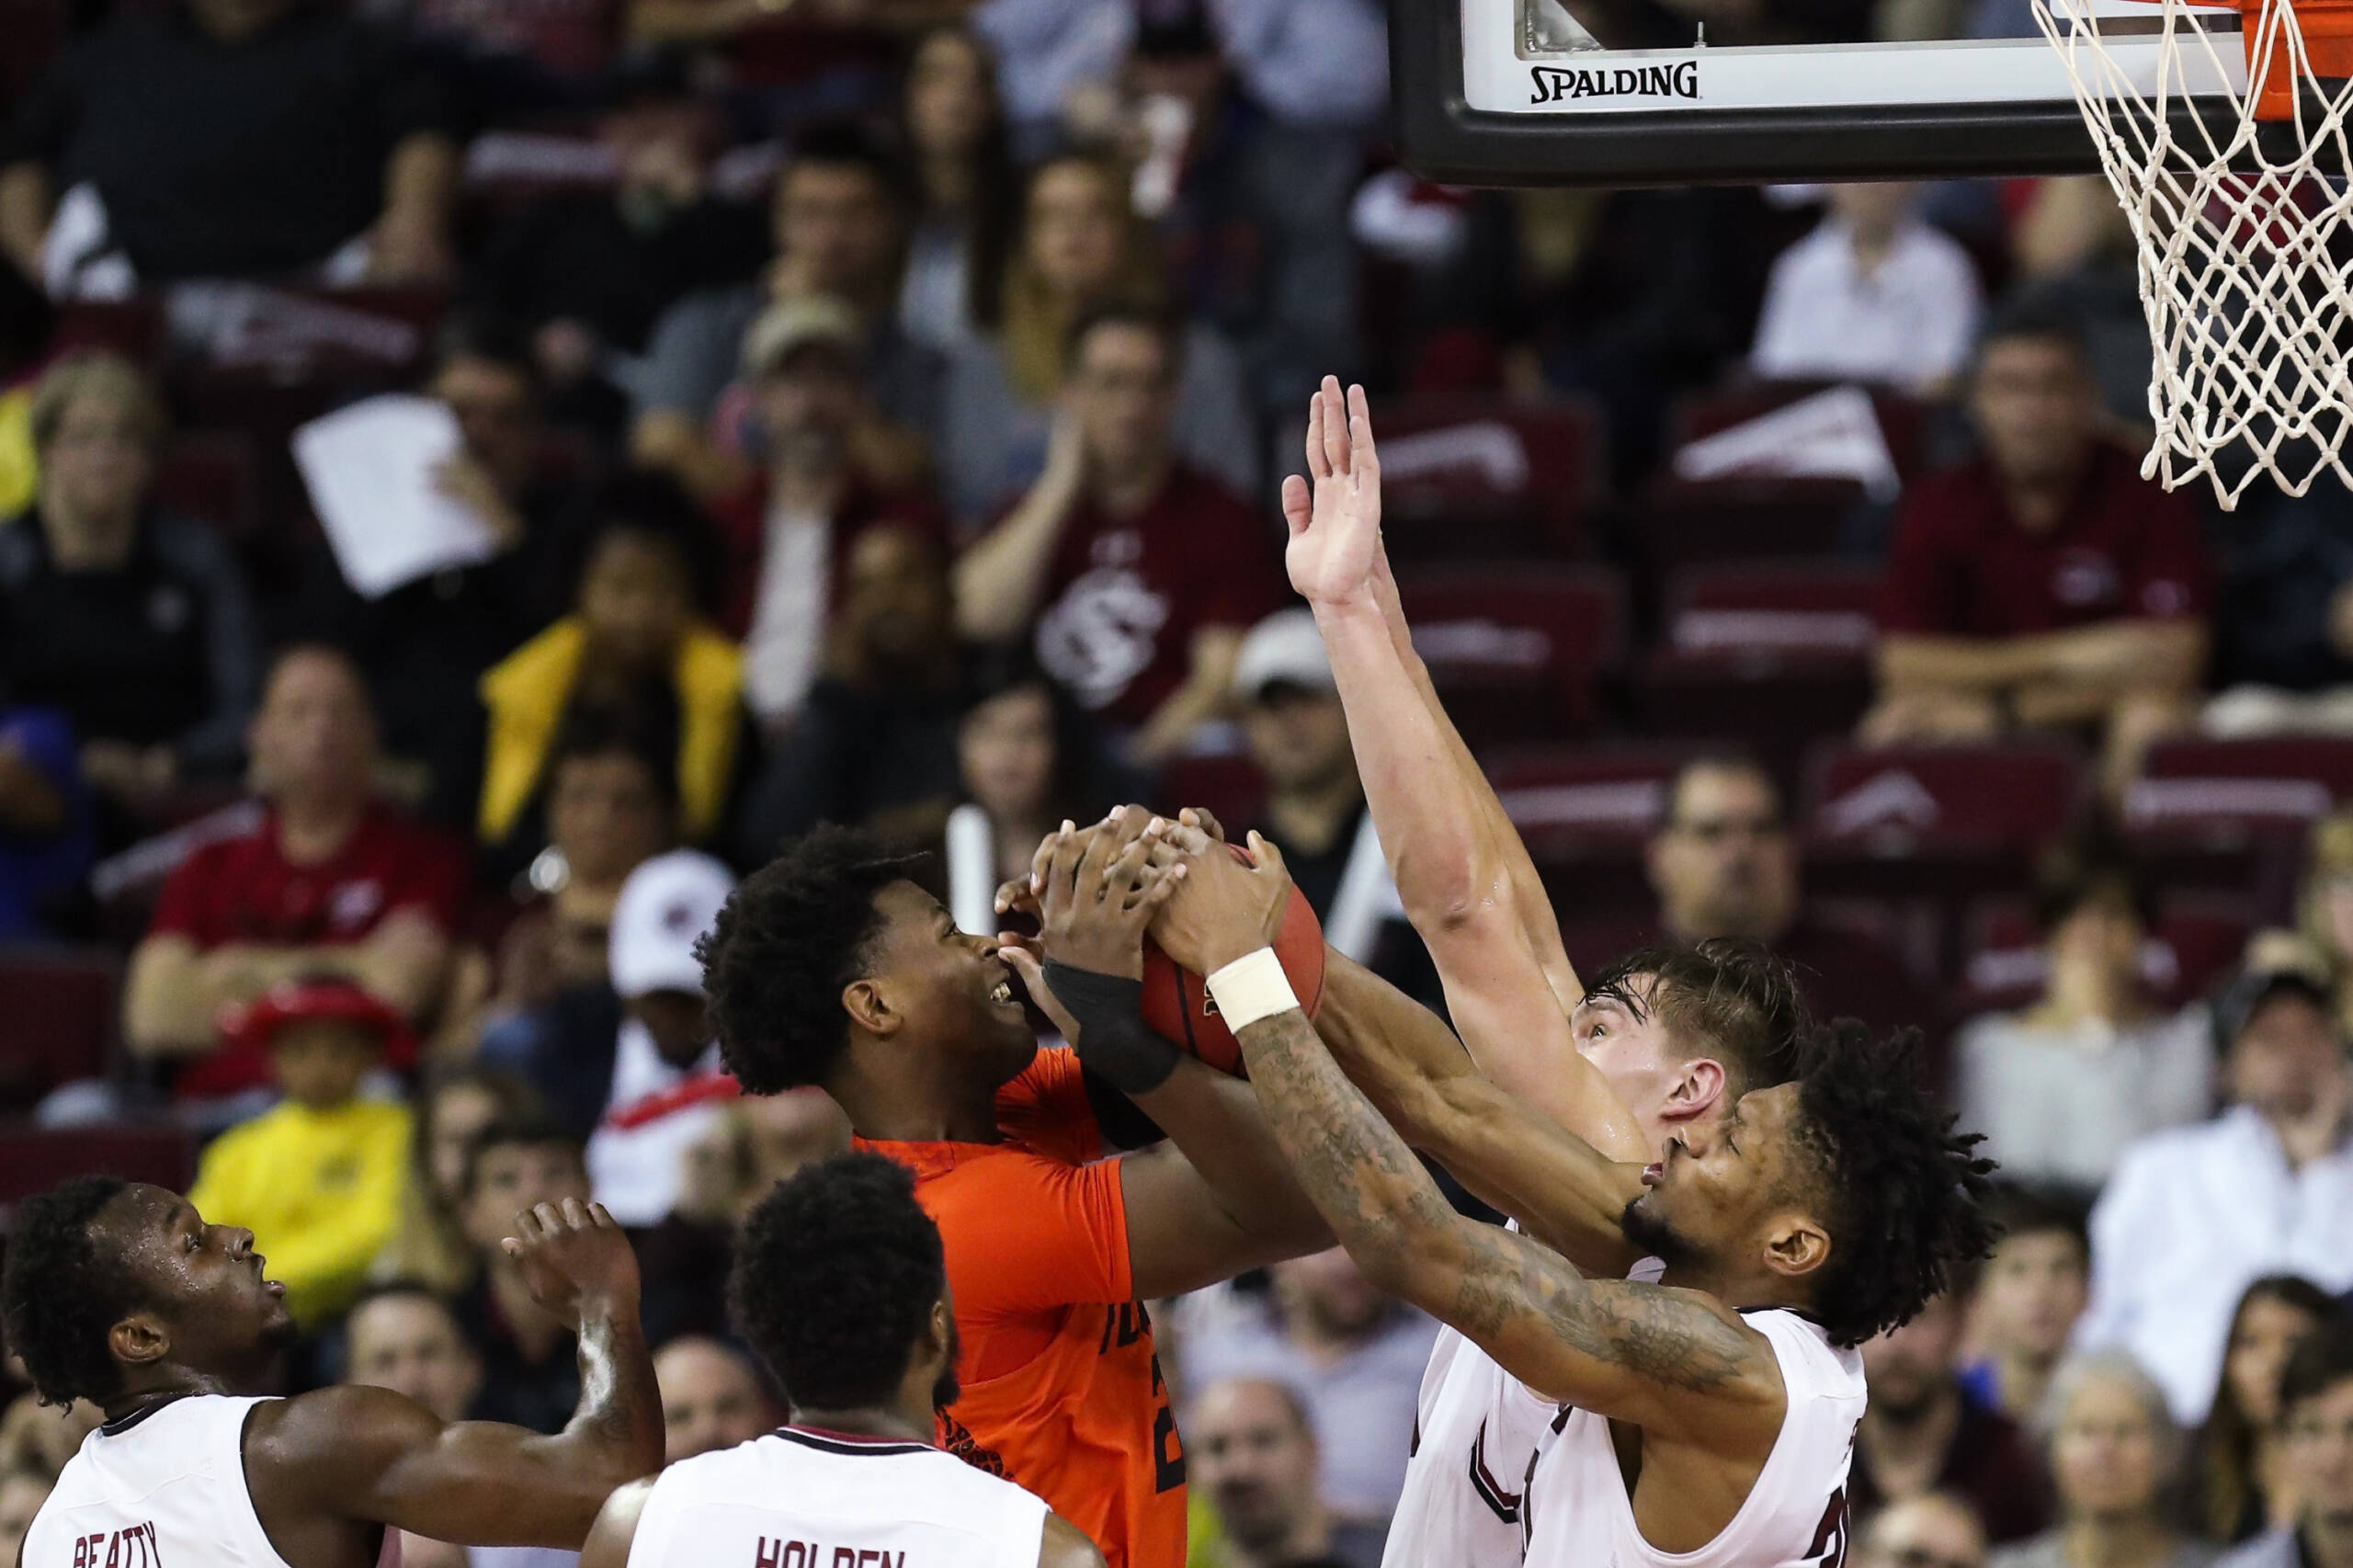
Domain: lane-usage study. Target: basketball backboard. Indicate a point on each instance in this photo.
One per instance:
(1632, 92)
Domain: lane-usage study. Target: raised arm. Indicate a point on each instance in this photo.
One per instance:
(1675, 1363)
(1216, 1197)
(370, 1455)
(1465, 878)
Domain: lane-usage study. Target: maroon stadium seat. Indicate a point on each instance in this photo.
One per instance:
(2196, 940)
(59, 1007)
(1228, 783)
(1777, 655)
(1467, 476)
(1684, 522)
(2232, 815)
(132, 328)
(1516, 653)
(214, 476)
(33, 1159)
(1903, 422)
(1585, 812)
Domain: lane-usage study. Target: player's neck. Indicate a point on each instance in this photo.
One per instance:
(1308, 1537)
(892, 1422)
(917, 1109)
(163, 1384)
(2330, 1542)
(2128, 1540)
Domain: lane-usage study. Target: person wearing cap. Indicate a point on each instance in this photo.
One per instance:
(318, 1179)
(794, 526)
(667, 1082)
(2194, 1214)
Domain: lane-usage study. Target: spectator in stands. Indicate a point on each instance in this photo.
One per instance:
(2193, 1215)
(2045, 584)
(2239, 1492)
(1921, 1433)
(1298, 736)
(2324, 906)
(132, 622)
(954, 125)
(2061, 1087)
(22, 1492)
(2283, 613)
(589, 271)
(424, 646)
(1026, 756)
(1081, 249)
(2114, 1450)
(329, 879)
(840, 225)
(664, 1078)
(41, 1438)
(401, 1336)
(1353, 1356)
(635, 642)
(317, 1178)
(453, 1107)
(1724, 863)
(1251, 1457)
(1142, 572)
(2316, 1435)
(1933, 1529)
(876, 742)
(47, 836)
(530, 1374)
(1874, 294)
(795, 524)
(231, 139)
(711, 1397)
(756, 1142)
(2029, 1295)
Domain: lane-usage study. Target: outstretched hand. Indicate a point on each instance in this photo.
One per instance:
(1335, 520)
(1094, 890)
(574, 1260)
(1226, 908)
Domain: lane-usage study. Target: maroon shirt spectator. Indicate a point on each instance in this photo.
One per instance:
(2046, 585)
(1142, 575)
(330, 880)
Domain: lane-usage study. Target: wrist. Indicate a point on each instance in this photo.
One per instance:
(1250, 988)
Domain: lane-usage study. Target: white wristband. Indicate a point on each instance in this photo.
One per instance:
(1252, 987)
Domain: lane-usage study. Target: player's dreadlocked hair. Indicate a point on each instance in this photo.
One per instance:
(64, 1294)
(834, 1277)
(1905, 1193)
(1731, 1000)
(790, 937)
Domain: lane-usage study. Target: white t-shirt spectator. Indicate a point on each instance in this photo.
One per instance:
(2061, 1105)
(1908, 323)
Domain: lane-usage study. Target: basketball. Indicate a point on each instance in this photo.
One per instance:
(1178, 1005)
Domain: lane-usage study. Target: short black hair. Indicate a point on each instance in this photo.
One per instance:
(1722, 761)
(650, 506)
(2034, 313)
(526, 1131)
(2321, 1361)
(64, 1293)
(2022, 1209)
(1730, 999)
(850, 144)
(835, 1274)
(789, 938)
(404, 1289)
(494, 339)
(646, 731)
(2072, 874)
(1161, 324)
(1904, 1193)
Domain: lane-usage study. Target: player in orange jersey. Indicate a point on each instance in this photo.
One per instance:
(831, 966)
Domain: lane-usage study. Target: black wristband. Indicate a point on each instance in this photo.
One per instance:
(1113, 1040)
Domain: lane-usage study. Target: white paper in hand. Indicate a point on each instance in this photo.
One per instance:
(370, 472)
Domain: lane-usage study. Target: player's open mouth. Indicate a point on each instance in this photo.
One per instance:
(1002, 993)
(1651, 1172)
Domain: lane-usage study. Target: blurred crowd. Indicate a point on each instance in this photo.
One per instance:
(872, 410)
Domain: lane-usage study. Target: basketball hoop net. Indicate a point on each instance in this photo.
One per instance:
(2244, 221)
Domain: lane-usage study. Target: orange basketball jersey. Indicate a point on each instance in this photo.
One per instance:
(1062, 1391)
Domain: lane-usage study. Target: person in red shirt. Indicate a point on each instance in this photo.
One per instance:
(1143, 574)
(831, 966)
(330, 881)
(2044, 585)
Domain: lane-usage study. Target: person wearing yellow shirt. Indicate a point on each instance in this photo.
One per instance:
(319, 1178)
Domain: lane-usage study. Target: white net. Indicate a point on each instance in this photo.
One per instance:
(2245, 231)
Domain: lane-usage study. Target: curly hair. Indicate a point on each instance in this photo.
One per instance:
(1904, 1194)
(1729, 999)
(835, 1274)
(64, 1294)
(790, 937)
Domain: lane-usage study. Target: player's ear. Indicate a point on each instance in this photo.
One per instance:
(869, 1008)
(138, 1340)
(1697, 1089)
(1795, 1244)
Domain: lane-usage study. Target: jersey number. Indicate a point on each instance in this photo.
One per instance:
(1122, 1327)
(1829, 1548)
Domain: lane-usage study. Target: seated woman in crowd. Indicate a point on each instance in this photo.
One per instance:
(2114, 1452)
(2239, 1496)
(2061, 1087)
(954, 127)
(452, 1109)
(1081, 246)
(131, 622)
(637, 640)
(2325, 905)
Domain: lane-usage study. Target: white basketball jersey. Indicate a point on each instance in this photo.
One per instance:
(1578, 1514)
(1476, 1435)
(798, 1498)
(165, 1484)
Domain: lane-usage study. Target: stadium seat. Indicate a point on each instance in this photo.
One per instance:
(1585, 812)
(1467, 477)
(2195, 941)
(213, 476)
(1228, 783)
(2232, 815)
(1684, 523)
(1517, 652)
(1776, 654)
(33, 1159)
(132, 328)
(59, 1007)
(1902, 421)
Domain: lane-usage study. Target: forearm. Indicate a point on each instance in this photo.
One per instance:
(404, 968)
(1000, 578)
(171, 1001)
(1220, 1125)
(688, 21)
(1909, 663)
(615, 1432)
(24, 215)
(421, 179)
